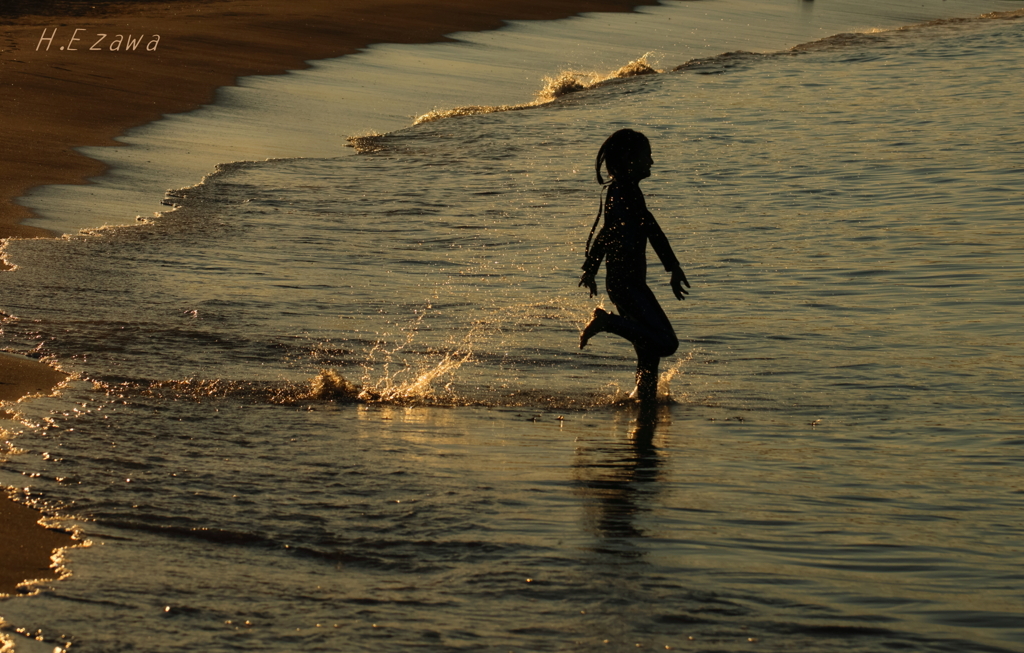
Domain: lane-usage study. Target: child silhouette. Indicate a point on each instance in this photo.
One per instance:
(622, 244)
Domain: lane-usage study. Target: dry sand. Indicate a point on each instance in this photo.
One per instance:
(59, 94)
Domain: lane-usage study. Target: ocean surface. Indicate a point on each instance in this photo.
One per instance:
(333, 401)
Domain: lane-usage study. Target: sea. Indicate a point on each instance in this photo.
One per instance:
(326, 387)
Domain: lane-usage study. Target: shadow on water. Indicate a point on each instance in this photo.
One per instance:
(617, 479)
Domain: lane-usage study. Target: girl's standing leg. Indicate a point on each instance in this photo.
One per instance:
(646, 376)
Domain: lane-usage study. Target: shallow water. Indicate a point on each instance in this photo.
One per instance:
(836, 464)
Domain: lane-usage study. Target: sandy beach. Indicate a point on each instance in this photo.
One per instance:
(70, 80)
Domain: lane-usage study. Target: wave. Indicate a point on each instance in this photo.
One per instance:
(573, 81)
(564, 83)
(729, 60)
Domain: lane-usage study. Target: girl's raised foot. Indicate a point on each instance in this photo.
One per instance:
(598, 322)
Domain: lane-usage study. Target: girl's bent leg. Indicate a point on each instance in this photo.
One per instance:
(598, 323)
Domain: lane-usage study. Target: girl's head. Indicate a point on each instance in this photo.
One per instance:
(626, 155)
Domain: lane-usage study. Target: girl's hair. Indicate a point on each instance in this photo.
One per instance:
(615, 155)
(617, 151)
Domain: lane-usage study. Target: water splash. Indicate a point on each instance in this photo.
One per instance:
(366, 143)
(417, 375)
(328, 385)
(420, 386)
(616, 395)
(469, 364)
(665, 395)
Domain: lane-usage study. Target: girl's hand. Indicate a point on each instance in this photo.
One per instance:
(588, 279)
(678, 281)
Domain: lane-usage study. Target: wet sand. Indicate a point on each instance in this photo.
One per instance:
(60, 93)
(25, 546)
(20, 376)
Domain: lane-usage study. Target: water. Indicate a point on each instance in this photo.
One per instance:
(311, 113)
(335, 403)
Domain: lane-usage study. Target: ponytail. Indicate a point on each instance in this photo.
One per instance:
(614, 156)
(600, 212)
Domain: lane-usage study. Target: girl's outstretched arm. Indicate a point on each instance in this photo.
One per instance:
(678, 281)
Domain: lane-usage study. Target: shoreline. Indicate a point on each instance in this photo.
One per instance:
(21, 377)
(60, 94)
(56, 100)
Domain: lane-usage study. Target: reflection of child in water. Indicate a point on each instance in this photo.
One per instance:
(622, 243)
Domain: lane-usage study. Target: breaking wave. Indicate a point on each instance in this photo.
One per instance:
(564, 83)
(573, 81)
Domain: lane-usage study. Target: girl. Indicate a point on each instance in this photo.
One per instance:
(622, 243)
